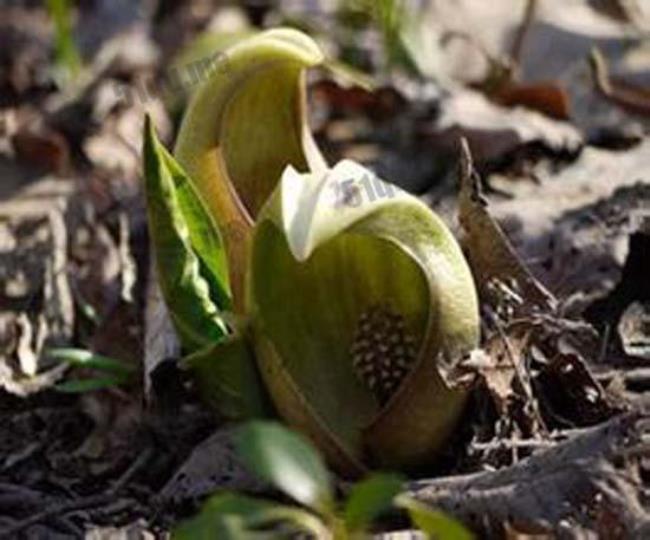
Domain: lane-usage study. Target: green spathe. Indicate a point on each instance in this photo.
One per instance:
(243, 126)
(318, 262)
(355, 297)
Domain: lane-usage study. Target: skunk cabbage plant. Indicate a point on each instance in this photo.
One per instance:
(335, 294)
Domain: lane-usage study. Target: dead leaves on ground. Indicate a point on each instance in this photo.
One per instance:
(539, 369)
(213, 465)
(548, 99)
(543, 369)
(533, 362)
(37, 300)
(494, 262)
(590, 485)
(634, 330)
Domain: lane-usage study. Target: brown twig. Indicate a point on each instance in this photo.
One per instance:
(638, 378)
(66, 507)
(633, 98)
(501, 444)
(522, 374)
(56, 510)
(522, 32)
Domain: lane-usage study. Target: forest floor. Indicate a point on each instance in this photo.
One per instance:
(554, 104)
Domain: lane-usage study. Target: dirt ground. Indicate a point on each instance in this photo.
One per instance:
(553, 99)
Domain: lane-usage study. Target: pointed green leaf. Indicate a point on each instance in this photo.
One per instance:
(287, 461)
(222, 516)
(81, 386)
(369, 498)
(88, 359)
(229, 516)
(191, 264)
(66, 53)
(228, 379)
(204, 237)
(435, 523)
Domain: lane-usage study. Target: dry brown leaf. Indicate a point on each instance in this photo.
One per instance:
(29, 345)
(26, 51)
(213, 465)
(161, 341)
(557, 490)
(634, 330)
(382, 103)
(494, 131)
(45, 149)
(25, 386)
(557, 41)
(139, 529)
(37, 308)
(583, 213)
(547, 98)
(491, 256)
(498, 364)
(572, 393)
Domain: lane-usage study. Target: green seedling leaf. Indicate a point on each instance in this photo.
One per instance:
(230, 516)
(222, 516)
(191, 263)
(67, 55)
(228, 379)
(204, 235)
(287, 461)
(88, 359)
(81, 386)
(350, 74)
(434, 523)
(393, 20)
(369, 498)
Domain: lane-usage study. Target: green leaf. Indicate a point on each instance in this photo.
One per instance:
(67, 55)
(189, 255)
(287, 461)
(222, 516)
(390, 16)
(434, 523)
(228, 379)
(230, 516)
(204, 237)
(350, 75)
(81, 386)
(88, 359)
(369, 498)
